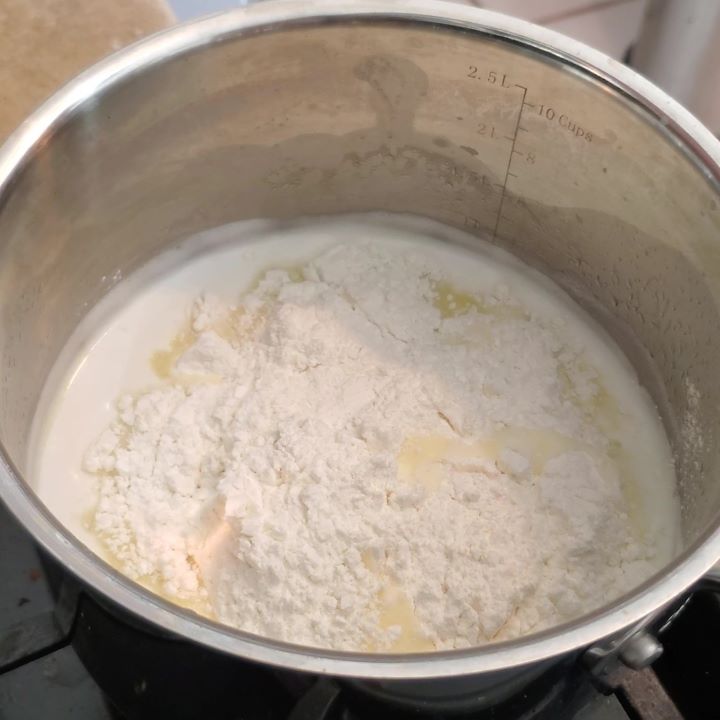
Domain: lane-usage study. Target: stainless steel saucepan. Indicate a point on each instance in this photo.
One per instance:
(512, 132)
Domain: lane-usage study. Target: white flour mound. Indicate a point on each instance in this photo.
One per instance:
(355, 458)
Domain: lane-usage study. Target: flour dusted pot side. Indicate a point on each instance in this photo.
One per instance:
(567, 159)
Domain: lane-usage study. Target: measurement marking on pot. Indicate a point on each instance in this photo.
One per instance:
(482, 129)
(500, 80)
(550, 114)
(508, 173)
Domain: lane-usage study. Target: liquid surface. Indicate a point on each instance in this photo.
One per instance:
(132, 341)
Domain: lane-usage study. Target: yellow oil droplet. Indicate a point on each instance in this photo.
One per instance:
(369, 559)
(200, 606)
(452, 302)
(605, 411)
(425, 459)
(420, 460)
(397, 611)
(163, 361)
(295, 273)
(88, 518)
(227, 327)
(627, 470)
(538, 446)
(601, 408)
(541, 446)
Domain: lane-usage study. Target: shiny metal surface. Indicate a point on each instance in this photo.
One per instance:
(679, 49)
(570, 160)
(641, 651)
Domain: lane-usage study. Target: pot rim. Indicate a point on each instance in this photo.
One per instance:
(681, 128)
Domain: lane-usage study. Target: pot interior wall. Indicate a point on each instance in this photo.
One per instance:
(320, 119)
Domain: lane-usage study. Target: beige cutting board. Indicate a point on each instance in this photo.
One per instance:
(43, 43)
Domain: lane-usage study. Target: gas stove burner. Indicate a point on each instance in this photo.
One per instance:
(81, 658)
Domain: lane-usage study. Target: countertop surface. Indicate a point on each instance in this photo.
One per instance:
(44, 43)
